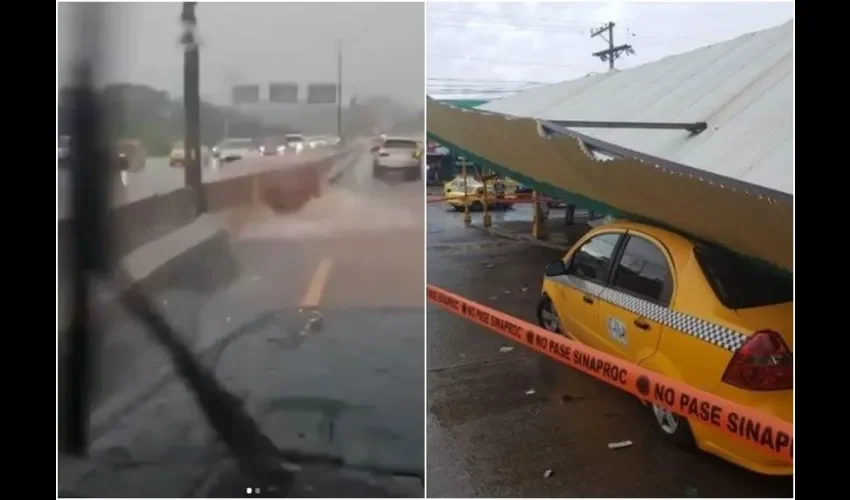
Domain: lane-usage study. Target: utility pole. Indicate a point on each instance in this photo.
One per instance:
(613, 53)
(339, 89)
(232, 108)
(192, 106)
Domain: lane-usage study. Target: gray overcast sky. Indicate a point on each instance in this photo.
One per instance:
(550, 42)
(383, 45)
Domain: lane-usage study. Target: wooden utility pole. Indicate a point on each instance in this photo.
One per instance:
(612, 53)
(192, 106)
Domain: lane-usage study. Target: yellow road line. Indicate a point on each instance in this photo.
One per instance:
(317, 284)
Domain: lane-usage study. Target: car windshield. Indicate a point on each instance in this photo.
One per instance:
(740, 283)
(245, 319)
(303, 390)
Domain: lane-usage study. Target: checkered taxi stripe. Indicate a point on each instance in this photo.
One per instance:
(706, 331)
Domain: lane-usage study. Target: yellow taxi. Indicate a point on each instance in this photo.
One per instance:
(691, 311)
(177, 156)
(453, 192)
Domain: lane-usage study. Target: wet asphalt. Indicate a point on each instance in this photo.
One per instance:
(488, 438)
(321, 334)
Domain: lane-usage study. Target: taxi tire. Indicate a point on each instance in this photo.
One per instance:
(683, 437)
(545, 303)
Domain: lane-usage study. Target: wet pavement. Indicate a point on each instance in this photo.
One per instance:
(488, 437)
(321, 334)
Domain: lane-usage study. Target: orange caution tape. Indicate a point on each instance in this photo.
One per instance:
(766, 432)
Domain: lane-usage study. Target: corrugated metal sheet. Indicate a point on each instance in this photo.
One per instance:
(743, 90)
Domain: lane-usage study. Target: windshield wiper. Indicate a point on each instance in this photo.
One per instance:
(255, 452)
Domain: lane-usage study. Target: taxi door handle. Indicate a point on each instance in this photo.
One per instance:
(588, 299)
(642, 324)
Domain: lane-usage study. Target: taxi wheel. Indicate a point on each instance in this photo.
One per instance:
(672, 426)
(546, 315)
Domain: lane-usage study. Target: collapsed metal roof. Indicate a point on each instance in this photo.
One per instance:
(742, 89)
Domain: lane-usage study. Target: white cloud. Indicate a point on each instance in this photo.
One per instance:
(551, 42)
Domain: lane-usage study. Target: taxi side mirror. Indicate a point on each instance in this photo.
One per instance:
(557, 268)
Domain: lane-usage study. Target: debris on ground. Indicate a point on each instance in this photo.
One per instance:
(488, 265)
(505, 348)
(494, 297)
(547, 474)
(691, 492)
(525, 289)
(506, 292)
(566, 398)
(530, 392)
(619, 444)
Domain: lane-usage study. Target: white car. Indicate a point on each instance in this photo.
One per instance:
(317, 142)
(234, 149)
(398, 158)
(294, 143)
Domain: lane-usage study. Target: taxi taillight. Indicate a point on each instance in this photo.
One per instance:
(763, 363)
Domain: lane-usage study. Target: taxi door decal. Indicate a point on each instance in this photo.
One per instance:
(712, 333)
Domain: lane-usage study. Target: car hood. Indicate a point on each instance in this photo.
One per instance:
(342, 382)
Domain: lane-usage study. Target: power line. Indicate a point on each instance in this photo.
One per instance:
(612, 53)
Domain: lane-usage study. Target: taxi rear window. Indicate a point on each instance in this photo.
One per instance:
(739, 283)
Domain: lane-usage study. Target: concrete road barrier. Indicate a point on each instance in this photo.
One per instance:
(136, 223)
(139, 224)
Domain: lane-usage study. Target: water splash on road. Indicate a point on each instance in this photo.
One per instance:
(338, 210)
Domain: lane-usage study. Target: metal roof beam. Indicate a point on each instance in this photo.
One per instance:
(610, 149)
(694, 128)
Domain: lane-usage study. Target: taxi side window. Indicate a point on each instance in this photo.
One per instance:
(593, 260)
(643, 271)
